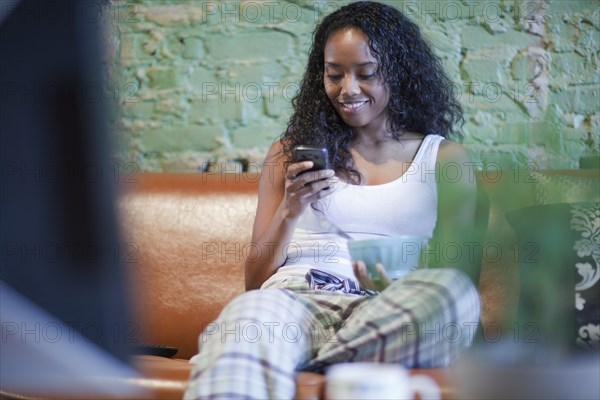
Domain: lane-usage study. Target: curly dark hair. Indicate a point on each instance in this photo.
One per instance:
(423, 99)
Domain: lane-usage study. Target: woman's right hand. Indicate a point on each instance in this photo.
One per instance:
(284, 192)
(303, 188)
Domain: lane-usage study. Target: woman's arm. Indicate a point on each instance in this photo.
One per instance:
(282, 197)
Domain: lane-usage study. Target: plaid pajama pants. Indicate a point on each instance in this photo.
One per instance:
(263, 337)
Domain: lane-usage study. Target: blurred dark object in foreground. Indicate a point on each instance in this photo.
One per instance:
(59, 235)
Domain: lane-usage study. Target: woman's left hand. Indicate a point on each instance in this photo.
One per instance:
(378, 283)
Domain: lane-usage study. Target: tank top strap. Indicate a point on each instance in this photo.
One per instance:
(427, 154)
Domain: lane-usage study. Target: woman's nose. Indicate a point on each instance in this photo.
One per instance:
(350, 86)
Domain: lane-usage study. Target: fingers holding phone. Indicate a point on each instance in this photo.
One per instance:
(308, 178)
(318, 155)
(297, 169)
(312, 163)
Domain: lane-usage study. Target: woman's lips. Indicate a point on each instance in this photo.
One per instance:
(352, 107)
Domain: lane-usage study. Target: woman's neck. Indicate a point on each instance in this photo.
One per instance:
(381, 137)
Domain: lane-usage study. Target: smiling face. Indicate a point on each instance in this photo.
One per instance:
(357, 93)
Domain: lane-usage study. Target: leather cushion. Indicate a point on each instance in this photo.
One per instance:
(185, 238)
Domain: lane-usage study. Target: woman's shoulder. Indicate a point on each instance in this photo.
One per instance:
(455, 163)
(274, 164)
(276, 149)
(276, 153)
(450, 151)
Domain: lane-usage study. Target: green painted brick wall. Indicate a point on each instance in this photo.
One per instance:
(201, 82)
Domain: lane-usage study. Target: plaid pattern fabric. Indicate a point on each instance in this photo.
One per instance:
(263, 337)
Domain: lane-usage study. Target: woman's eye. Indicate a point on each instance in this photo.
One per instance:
(367, 76)
(334, 77)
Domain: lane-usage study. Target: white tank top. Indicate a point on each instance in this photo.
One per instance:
(405, 206)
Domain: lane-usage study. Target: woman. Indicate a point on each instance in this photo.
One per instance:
(377, 98)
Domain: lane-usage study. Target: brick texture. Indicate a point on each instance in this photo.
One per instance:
(213, 79)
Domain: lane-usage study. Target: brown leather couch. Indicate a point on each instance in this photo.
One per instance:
(187, 235)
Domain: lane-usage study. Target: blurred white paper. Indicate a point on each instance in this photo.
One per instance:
(40, 355)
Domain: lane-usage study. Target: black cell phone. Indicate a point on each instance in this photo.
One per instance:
(318, 155)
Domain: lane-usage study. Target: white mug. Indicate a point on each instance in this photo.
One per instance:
(365, 380)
